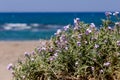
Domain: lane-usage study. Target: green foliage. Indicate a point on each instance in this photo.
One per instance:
(75, 53)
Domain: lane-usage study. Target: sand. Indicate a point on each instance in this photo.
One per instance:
(10, 51)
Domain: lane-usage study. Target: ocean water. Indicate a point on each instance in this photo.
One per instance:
(35, 26)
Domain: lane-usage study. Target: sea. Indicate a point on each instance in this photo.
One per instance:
(41, 25)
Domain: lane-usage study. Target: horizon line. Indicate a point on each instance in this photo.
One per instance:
(51, 11)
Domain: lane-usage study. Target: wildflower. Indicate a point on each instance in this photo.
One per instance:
(118, 43)
(66, 48)
(76, 28)
(66, 42)
(51, 58)
(76, 63)
(117, 23)
(88, 31)
(92, 68)
(27, 54)
(79, 36)
(66, 27)
(106, 64)
(10, 66)
(108, 14)
(51, 49)
(85, 42)
(116, 13)
(96, 46)
(78, 43)
(62, 38)
(56, 54)
(32, 59)
(76, 21)
(43, 48)
(13, 72)
(105, 41)
(23, 77)
(58, 32)
(92, 25)
(33, 53)
(56, 41)
(109, 28)
(39, 50)
(101, 71)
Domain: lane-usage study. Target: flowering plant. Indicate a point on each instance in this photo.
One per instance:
(79, 52)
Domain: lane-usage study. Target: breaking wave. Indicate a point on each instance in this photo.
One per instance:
(32, 26)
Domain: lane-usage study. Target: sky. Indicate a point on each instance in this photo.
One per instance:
(59, 5)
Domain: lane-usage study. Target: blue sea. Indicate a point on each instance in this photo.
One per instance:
(35, 26)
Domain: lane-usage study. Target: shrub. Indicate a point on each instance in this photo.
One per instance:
(79, 52)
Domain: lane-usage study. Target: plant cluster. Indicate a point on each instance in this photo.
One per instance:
(79, 52)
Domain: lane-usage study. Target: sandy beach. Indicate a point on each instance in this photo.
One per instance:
(10, 51)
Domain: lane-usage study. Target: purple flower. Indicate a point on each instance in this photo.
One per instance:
(105, 41)
(51, 49)
(10, 66)
(79, 43)
(66, 48)
(66, 41)
(58, 32)
(92, 25)
(39, 50)
(101, 71)
(56, 54)
(62, 38)
(79, 36)
(76, 28)
(76, 21)
(66, 27)
(43, 48)
(116, 13)
(27, 54)
(88, 31)
(13, 72)
(33, 53)
(96, 46)
(51, 58)
(117, 23)
(92, 68)
(106, 64)
(118, 43)
(108, 13)
(56, 41)
(109, 28)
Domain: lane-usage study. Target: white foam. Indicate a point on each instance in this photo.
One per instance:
(53, 26)
(16, 26)
(35, 25)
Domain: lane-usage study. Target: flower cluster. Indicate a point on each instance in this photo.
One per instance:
(77, 52)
